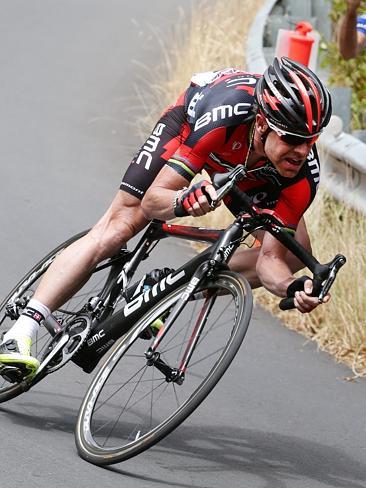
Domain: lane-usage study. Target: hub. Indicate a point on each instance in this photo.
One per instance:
(173, 375)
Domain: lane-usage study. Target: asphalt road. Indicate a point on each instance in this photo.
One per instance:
(283, 416)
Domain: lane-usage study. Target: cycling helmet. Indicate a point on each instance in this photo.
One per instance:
(293, 99)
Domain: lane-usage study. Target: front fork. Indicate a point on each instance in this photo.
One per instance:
(152, 355)
(221, 253)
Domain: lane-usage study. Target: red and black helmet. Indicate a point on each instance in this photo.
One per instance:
(293, 99)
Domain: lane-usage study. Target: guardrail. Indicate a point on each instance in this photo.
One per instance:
(344, 156)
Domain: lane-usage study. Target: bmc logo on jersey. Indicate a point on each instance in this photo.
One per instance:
(313, 164)
(220, 113)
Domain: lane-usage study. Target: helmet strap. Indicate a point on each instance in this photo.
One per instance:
(250, 147)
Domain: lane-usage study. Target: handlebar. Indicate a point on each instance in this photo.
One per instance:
(323, 274)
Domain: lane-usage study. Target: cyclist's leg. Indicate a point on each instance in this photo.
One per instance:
(244, 260)
(122, 220)
(69, 272)
(73, 267)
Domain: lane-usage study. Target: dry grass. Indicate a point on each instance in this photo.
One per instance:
(214, 38)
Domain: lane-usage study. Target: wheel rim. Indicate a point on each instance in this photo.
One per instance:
(135, 401)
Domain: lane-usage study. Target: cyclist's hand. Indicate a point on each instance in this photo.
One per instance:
(196, 200)
(303, 300)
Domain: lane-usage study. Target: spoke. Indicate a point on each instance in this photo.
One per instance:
(180, 330)
(140, 381)
(122, 386)
(206, 357)
(146, 394)
(214, 325)
(152, 396)
(124, 408)
(186, 334)
(176, 396)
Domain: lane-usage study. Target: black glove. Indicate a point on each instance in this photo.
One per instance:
(189, 197)
(296, 285)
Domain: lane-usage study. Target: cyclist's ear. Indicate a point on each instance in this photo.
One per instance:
(261, 123)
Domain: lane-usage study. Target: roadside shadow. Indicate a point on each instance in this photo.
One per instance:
(59, 415)
(278, 460)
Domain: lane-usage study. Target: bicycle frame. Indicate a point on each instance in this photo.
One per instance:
(124, 267)
(105, 332)
(224, 244)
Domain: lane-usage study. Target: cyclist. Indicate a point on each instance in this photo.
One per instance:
(224, 118)
(352, 32)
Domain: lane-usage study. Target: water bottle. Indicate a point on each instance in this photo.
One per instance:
(146, 282)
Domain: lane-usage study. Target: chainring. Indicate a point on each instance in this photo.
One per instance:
(78, 330)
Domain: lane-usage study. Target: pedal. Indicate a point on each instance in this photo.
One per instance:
(13, 374)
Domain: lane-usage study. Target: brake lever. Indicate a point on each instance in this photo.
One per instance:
(335, 266)
(237, 174)
(323, 284)
(224, 190)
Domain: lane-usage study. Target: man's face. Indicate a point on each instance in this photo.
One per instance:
(287, 159)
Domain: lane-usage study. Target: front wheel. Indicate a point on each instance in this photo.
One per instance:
(131, 405)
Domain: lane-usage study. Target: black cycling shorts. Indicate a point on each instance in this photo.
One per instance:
(162, 143)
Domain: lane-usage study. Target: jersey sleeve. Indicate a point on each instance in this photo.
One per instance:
(191, 155)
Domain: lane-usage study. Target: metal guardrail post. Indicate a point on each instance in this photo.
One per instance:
(344, 168)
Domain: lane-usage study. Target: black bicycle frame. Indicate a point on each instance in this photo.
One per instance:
(104, 333)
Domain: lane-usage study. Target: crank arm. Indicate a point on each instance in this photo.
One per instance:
(63, 341)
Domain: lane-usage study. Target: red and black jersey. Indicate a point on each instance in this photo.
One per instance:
(209, 127)
(219, 121)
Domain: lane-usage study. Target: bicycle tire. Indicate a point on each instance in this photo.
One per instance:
(25, 287)
(101, 403)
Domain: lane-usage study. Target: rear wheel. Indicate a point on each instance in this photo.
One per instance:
(15, 302)
(131, 405)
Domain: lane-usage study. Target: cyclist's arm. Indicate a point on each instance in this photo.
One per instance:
(273, 264)
(178, 173)
(158, 202)
(276, 276)
(351, 40)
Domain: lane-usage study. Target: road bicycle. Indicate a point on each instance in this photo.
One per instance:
(153, 378)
